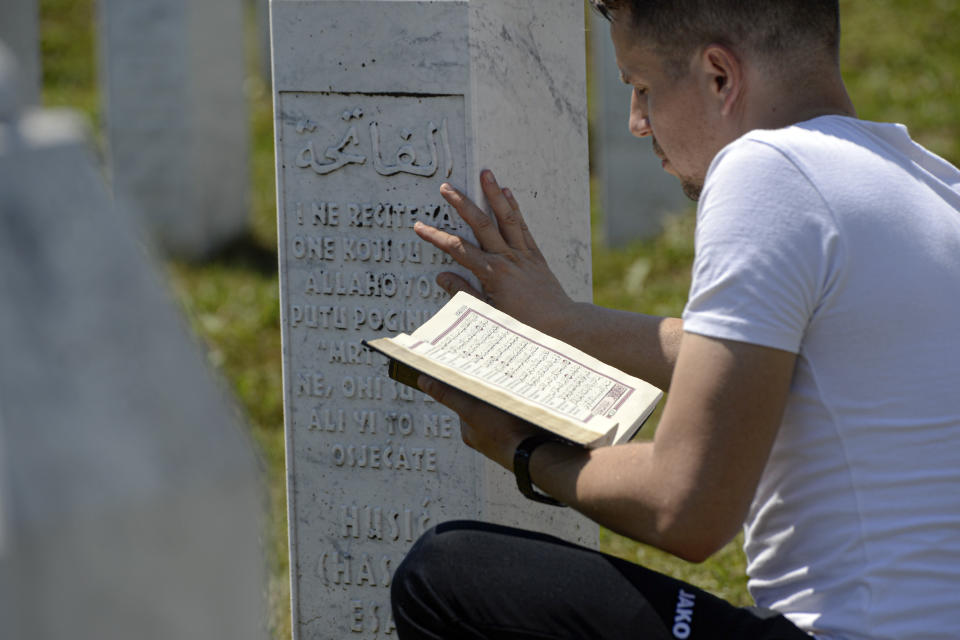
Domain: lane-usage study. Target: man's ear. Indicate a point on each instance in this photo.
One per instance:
(724, 72)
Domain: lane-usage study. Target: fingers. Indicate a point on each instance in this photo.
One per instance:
(452, 398)
(452, 283)
(528, 240)
(483, 427)
(511, 230)
(487, 233)
(465, 253)
(505, 209)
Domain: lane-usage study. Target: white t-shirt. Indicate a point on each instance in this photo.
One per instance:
(839, 240)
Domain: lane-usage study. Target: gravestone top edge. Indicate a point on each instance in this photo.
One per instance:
(175, 119)
(346, 2)
(42, 128)
(362, 53)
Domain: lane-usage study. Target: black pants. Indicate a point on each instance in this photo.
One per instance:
(473, 580)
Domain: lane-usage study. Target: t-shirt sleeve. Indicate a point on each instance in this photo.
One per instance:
(766, 250)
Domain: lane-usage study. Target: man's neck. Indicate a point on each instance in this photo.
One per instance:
(782, 101)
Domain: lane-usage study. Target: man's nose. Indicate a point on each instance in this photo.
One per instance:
(639, 126)
(639, 122)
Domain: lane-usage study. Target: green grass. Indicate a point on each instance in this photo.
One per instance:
(67, 50)
(902, 63)
(901, 60)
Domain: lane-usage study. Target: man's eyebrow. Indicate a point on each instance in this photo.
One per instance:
(623, 77)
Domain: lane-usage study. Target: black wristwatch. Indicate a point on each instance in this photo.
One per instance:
(521, 467)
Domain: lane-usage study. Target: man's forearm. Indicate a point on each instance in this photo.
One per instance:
(643, 346)
(689, 490)
(627, 490)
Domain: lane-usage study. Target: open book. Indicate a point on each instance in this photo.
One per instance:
(486, 353)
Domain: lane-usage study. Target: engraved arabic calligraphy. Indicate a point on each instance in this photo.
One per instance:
(349, 151)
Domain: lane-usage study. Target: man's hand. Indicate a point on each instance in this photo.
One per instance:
(517, 280)
(514, 274)
(494, 433)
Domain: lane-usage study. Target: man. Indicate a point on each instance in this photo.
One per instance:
(813, 377)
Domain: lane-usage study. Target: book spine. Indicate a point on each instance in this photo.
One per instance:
(403, 373)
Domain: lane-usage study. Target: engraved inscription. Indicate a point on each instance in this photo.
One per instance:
(357, 172)
(371, 617)
(385, 523)
(312, 316)
(325, 420)
(349, 149)
(340, 568)
(387, 457)
(385, 215)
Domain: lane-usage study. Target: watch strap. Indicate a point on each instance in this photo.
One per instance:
(521, 467)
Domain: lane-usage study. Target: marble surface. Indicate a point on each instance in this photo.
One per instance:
(129, 496)
(172, 77)
(377, 104)
(9, 85)
(19, 30)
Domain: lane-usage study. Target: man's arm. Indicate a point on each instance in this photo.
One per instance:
(642, 345)
(688, 491)
(517, 280)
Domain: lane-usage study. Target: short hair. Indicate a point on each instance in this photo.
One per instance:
(770, 28)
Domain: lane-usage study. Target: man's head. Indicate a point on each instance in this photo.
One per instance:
(772, 30)
(706, 71)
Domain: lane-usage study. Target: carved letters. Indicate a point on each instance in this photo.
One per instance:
(371, 617)
(358, 172)
(349, 150)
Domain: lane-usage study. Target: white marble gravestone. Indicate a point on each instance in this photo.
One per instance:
(9, 91)
(377, 104)
(129, 497)
(19, 30)
(262, 16)
(635, 192)
(172, 74)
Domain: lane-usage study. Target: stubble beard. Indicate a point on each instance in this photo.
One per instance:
(691, 187)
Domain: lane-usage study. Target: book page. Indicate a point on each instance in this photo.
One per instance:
(472, 337)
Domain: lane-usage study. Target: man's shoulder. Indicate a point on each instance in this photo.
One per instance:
(787, 173)
(763, 157)
(833, 152)
(825, 137)
(828, 143)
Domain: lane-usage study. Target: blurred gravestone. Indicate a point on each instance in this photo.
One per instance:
(129, 497)
(635, 193)
(172, 74)
(262, 16)
(19, 30)
(377, 104)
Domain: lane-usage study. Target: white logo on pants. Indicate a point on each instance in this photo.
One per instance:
(683, 620)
